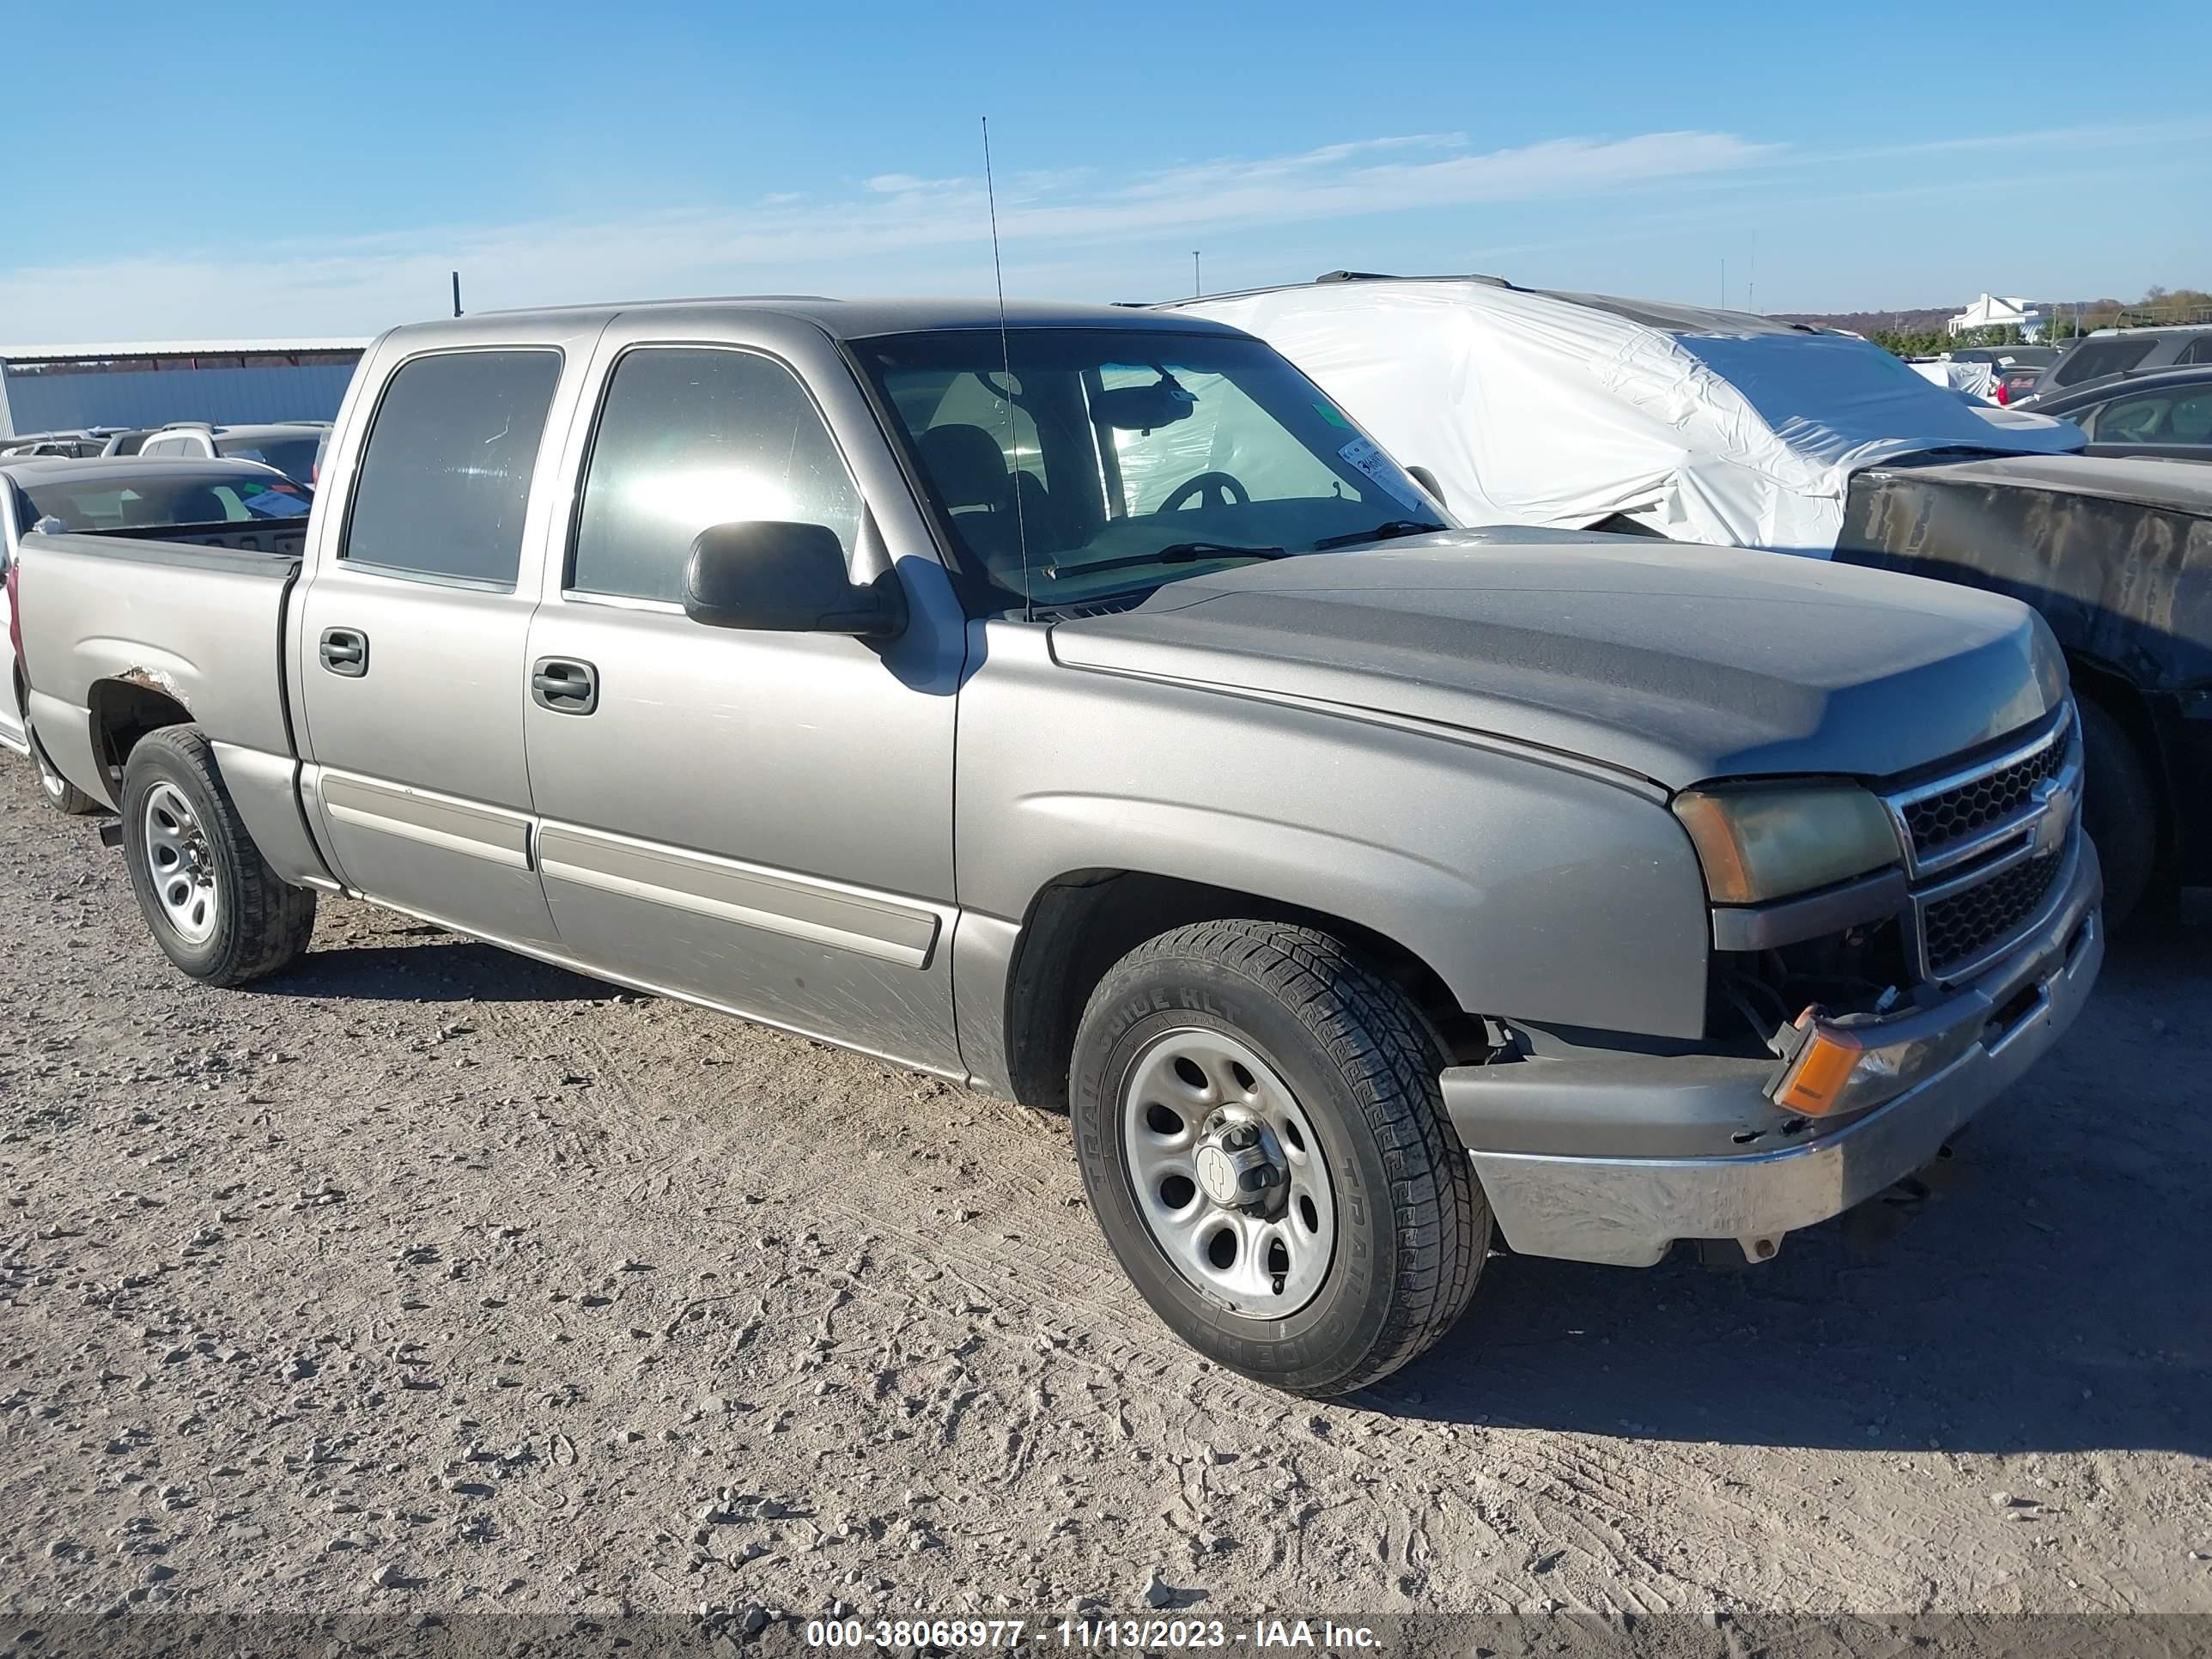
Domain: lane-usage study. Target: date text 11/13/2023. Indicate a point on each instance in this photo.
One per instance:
(1260, 1635)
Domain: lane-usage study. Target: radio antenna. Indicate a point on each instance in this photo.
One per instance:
(1007, 395)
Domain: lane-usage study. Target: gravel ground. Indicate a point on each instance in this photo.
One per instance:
(427, 1278)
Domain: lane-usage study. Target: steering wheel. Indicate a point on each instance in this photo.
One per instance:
(1231, 492)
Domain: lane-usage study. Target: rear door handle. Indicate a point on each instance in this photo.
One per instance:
(345, 651)
(564, 685)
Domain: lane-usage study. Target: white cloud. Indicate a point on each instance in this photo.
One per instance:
(898, 231)
(905, 184)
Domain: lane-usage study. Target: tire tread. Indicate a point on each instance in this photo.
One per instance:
(2120, 809)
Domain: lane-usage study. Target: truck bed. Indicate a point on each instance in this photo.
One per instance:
(193, 616)
(285, 537)
(2117, 554)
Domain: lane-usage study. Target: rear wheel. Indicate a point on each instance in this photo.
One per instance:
(1264, 1143)
(213, 904)
(2119, 810)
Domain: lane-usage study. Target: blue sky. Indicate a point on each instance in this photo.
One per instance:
(317, 168)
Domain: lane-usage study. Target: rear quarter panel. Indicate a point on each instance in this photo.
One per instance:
(202, 626)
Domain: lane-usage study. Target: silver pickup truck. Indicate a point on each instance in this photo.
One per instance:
(1083, 707)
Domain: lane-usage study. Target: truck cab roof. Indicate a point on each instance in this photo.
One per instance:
(841, 319)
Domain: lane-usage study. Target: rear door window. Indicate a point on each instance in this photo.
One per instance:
(444, 483)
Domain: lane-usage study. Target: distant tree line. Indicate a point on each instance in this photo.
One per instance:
(1933, 342)
(2061, 322)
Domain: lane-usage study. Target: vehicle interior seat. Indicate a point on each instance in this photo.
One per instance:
(991, 510)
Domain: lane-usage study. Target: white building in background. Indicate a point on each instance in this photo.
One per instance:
(1990, 312)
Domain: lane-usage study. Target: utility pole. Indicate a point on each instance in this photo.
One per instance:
(457, 294)
(1197, 288)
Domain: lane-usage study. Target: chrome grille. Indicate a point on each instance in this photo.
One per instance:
(1959, 930)
(1941, 820)
(1985, 846)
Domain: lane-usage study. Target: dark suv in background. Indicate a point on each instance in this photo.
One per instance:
(2121, 350)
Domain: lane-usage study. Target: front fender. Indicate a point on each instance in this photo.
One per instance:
(1535, 886)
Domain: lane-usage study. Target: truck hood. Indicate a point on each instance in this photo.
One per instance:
(1678, 663)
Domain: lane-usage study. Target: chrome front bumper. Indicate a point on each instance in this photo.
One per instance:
(1590, 1202)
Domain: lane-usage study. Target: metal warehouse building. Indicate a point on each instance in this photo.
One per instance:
(60, 388)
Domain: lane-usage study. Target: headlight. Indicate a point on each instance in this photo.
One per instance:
(1760, 844)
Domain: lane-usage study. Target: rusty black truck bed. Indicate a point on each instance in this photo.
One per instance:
(2117, 554)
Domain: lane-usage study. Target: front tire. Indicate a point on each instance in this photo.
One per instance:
(2119, 810)
(210, 900)
(1264, 1143)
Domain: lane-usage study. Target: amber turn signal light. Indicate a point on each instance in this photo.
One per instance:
(1816, 1080)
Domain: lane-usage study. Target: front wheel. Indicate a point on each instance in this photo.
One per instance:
(1264, 1143)
(213, 904)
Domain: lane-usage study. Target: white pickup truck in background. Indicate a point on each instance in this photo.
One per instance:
(218, 503)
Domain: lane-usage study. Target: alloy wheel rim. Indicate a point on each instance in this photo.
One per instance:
(1228, 1174)
(180, 863)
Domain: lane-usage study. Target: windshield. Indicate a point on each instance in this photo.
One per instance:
(1119, 458)
(293, 457)
(109, 502)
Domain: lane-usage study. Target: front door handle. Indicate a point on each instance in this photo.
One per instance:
(564, 685)
(345, 651)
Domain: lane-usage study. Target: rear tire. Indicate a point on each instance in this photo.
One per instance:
(210, 900)
(1365, 1243)
(2119, 810)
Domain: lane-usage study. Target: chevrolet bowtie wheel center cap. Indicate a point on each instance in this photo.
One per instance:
(1235, 1166)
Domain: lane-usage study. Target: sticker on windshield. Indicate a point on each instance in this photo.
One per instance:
(1327, 412)
(1371, 461)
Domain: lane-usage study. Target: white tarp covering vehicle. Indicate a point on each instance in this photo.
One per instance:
(1973, 379)
(1575, 409)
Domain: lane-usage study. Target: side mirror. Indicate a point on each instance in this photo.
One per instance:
(774, 577)
(1427, 480)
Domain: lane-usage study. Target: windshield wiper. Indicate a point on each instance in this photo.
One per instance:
(1387, 531)
(1173, 553)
